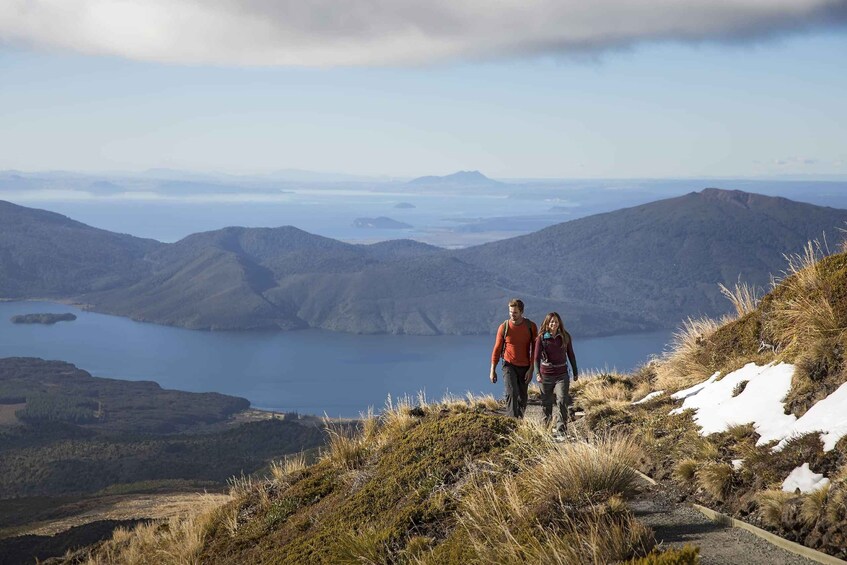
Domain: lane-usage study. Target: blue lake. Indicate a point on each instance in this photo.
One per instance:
(309, 371)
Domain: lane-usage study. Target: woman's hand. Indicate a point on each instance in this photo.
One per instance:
(538, 377)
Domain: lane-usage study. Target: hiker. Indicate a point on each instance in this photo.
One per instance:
(553, 349)
(514, 342)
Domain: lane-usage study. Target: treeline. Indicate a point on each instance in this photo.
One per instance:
(56, 408)
(85, 465)
(55, 391)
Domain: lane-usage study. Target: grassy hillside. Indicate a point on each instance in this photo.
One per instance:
(635, 269)
(43, 254)
(433, 483)
(744, 467)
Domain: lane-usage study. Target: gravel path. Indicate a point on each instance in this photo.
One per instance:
(677, 524)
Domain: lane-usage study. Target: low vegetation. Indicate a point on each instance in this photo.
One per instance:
(441, 482)
(802, 321)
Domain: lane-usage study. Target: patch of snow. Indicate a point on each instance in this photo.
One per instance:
(685, 393)
(803, 478)
(760, 403)
(736, 463)
(650, 397)
(828, 416)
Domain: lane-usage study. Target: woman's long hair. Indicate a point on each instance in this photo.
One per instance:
(545, 327)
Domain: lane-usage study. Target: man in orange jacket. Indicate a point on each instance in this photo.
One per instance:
(514, 342)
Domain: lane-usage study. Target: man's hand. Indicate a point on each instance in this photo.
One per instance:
(493, 377)
(528, 377)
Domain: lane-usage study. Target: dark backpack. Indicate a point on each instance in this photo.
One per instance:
(532, 336)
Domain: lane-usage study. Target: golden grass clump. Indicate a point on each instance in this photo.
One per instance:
(282, 470)
(179, 541)
(744, 298)
(595, 389)
(814, 504)
(804, 313)
(502, 528)
(685, 470)
(715, 479)
(581, 471)
(772, 506)
(346, 447)
(398, 415)
(681, 367)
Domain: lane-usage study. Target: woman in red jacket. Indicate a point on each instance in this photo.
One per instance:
(553, 349)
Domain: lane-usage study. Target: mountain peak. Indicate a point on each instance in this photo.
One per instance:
(459, 178)
(732, 196)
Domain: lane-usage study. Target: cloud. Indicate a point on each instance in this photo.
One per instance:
(390, 32)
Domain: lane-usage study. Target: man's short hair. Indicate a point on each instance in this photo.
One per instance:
(516, 303)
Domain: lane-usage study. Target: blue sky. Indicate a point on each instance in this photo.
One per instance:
(765, 105)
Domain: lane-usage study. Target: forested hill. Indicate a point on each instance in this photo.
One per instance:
(635, 269)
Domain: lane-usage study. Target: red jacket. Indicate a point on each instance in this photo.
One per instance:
(518, 343)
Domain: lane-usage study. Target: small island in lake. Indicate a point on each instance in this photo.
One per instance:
(42, 318)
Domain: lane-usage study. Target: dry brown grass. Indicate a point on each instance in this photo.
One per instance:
(744, 298)
(178, 541)
(772, 506)
(397, 416)
(715, 479)
(681, 367)
(595, 389)
(346, 447)
(804, 314)
(685, 470)
(814, 505)
(282, 469)
(574, 472)
(503, 528)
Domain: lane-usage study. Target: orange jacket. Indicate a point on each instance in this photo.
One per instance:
(519, 340)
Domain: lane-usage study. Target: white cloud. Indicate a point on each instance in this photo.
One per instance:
(389, 32)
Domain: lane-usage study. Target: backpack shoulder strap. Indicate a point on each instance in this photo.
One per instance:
(505, 333)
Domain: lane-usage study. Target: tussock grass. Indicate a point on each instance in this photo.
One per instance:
(716, 479)
(685, 470)
(346, 448)
(773, 505)
(814, 504)
(804, 312)
(398, 416)
(282, 469)
(503, 528)
(367, 546)
(744, 298)
(178, 541)
(484, 401)
(596, 389)
(682, 367)
(575, 472)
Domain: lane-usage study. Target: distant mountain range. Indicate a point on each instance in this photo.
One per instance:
(634, 269)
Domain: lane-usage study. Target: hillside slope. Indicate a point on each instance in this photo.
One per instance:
(662, 261)
(749, 415)
(636, 269)
(434, 483)
(43, 254)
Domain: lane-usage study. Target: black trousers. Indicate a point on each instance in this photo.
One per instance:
(514, 380)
